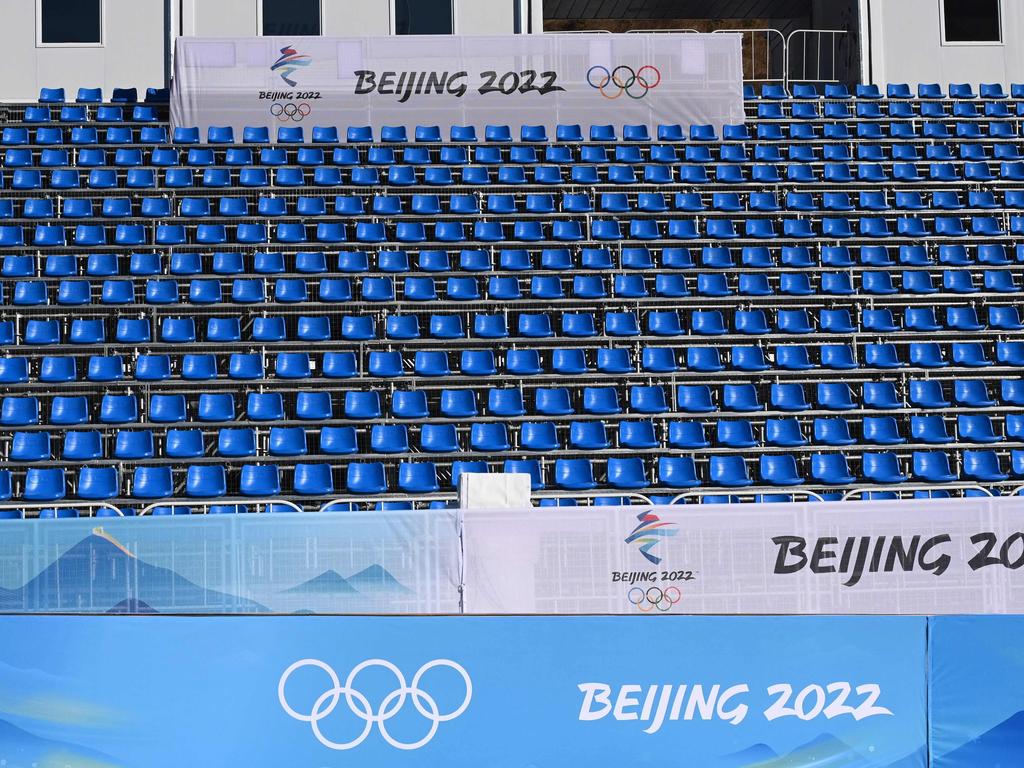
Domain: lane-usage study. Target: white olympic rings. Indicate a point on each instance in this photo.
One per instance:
(359, 705)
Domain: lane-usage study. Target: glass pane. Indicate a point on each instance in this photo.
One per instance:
(70, 21)
(972, 21)
(423, 17)
(291, 17)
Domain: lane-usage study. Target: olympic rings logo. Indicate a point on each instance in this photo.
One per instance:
(646, 600)
(623, 80)
(289, 111)
(359, 705)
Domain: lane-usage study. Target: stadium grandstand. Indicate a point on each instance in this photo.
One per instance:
(747, 273)
(824, 297)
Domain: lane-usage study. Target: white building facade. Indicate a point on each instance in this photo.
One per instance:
(129, 43)
(944, 41)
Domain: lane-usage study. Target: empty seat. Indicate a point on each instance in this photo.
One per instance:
(574, 474)
(44, 484)
(318, 480)
(779, 470)
(729, 471)
(882, 468)
(831, 468)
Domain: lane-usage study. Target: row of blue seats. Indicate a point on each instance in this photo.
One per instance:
(364, 134)
(496, 231)
(532, 325)
(876, 110)
(521, 362)
(502, 204)
(768, 91)
(211, 292)
(27, 180)
(967, 127)
(95, 96)
(499, 437)
(492, 155)
(892, 91)
(183, 263)
(70, 410)
(627, 473)
(109, 113)
(961, 281)
(87, 95)
(518, 362)
(558, 154)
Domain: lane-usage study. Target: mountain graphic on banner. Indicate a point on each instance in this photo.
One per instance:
(21, 749)
(376, 577)
(998, 746)
(100, 574)
(754, 755)
(370, 579)
(328, 582)
(825, 751)
(131, 605)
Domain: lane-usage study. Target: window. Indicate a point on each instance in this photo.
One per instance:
(423, 17)
(70, 22)
(290, 17)
(971, 21)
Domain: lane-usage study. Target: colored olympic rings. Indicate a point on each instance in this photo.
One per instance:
(289, 111)
(623, 80)
(646, 600)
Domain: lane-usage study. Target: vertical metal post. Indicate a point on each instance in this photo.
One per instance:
(168, 42)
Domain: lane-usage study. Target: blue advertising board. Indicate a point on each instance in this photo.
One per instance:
(976, 697)
(314, 691)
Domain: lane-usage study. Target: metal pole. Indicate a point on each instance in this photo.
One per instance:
(168, 41)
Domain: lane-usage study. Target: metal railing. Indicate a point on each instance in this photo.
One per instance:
(694, 494)
(204, 504)
(21, 507)
(764, 54)
(661, 31)
(804, 55)
(856, 492)
(816, 55)
(344, 502)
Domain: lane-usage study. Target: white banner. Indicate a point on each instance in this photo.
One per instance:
(957, 556)
(414, 80)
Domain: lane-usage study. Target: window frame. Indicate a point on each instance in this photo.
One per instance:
(393, 18)
(259, 21)
(989, 43)
(103, 29)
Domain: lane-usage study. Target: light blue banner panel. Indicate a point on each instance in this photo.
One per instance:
(379, 562)
(977, 691)
(462, 692)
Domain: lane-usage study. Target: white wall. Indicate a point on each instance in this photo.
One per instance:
(355, 18)
(473, 17)
(132, 54)
(906, 46)
(347, 18)
(220, 18)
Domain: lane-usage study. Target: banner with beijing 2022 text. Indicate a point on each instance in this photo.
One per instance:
(921, 557)
(410, 80)
(462, 692)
